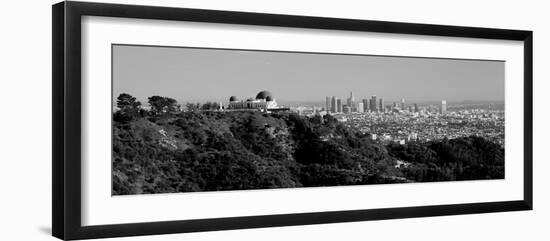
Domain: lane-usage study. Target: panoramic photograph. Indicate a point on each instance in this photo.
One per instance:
(204, 119)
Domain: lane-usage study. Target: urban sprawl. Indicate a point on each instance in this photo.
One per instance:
(402, 122)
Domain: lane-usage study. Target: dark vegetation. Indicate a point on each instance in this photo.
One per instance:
(166, 150)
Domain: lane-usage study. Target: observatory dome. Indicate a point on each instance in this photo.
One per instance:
(264, 95)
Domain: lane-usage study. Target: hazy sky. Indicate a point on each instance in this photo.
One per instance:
(188, 74)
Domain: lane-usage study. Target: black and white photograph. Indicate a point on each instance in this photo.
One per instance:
(275, 120)
(189, 119)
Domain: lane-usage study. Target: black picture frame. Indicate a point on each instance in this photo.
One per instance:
(66, 76)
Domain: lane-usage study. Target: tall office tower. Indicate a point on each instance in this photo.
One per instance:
(327, 104)
(410, 108)
(403, 104)
(416, 108)
(394, 105)
(381, 105)
(339, 105)
(360, 107)
(443, 109)
(373, 103)
(333, 107)
(366, 105)
(351, 100)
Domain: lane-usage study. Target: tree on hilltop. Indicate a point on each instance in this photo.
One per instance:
(161, 105)
(128, 107)
(210, 106)
(192, 106)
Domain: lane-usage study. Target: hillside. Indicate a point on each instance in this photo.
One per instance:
(209, 151)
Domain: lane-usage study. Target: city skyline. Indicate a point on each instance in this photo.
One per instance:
(176, 72)
(333, 104)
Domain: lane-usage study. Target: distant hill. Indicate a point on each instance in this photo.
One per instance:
(210, 151)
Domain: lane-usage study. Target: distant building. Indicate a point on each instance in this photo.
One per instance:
(373, 103)
(327, 104)
(415, 108)
(443, 107)
(366, 105)
(403, 104)
(333, 107)
(347, 109)
(381, 105)
(339, 105)
(360, 107)
(351, 99)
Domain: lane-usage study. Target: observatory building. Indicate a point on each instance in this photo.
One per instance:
(264, 101)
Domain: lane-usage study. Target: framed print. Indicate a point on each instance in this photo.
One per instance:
(217, 120)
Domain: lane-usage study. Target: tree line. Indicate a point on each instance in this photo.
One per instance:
(130, 108)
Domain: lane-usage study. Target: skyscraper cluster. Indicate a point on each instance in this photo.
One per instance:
(334, 104)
